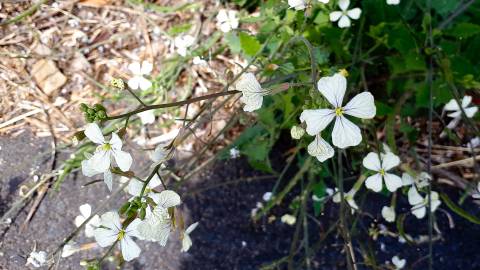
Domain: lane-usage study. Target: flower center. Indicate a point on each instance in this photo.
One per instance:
(121, 234)
(106, 147)
(382, 172)
(339, 111)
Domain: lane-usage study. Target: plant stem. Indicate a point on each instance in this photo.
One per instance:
(135, 96)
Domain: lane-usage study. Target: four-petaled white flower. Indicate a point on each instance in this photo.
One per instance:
(345, 133)
(227, 20)
(297, 4)
(420, 180)
(320, 149)
(147, 117)
(182, 43)
(388, 213)
(398, 263)
(393, 2)
(37, 259)
(134, 188)
(186, 240)
(234, 153)
(85, 213)
(252, 92)
(456, 112)
(388, 161)
(102, 158)
(419, 203)
(158, 223)
(343, 17)
(199, 61)
(138, 81)
(111, 230)
(348, 197)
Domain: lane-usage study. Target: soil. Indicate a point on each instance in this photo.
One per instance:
(226, 237)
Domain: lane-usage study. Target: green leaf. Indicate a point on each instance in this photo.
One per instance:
(233, 42)
(178, 29)
(459, 211)
(464, 30)
(249, 44)
(443, 7)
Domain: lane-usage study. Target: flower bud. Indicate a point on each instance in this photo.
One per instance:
(297, 132)
(117, 83)
(124, 207)
(101, 114)
(83, 107)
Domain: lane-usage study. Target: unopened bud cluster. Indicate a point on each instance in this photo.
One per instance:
(93, 114)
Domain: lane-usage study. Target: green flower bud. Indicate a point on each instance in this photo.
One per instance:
(143, 213)
(101, 114)
(98, 107)
(91, 111)
(297, 132)
(124, 208)
(83, 107)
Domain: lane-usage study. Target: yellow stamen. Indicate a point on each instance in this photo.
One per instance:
(121, 234)
(106, 147)
(382, 172)
(339, 111)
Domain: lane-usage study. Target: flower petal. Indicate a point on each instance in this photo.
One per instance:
(389, 160)
(88, 168)
(111, 220)
(407, 179)
(147, 67)
(85, 210)
(144, 83)
(124, 160)
(414, 197)
(130, 250)
(354, 13)
(419, 211)
(344, 22)
(100, 161)
(116, 142)
(191, 228)
(392, 182)
(168, 198)
(317, 120)
(131, 229)
(135, 68)
(147, 117)
(388, 213)
(94, 133)
(134, 188)
(345, 133)
(333, 88)
(471, 111)
(154, 182)
(361, 106)
(186, 243)
(79, 220)
(452, 105)
(335, 15)
(105, 237)
(374, 182)
(320, 149)
(134, 82)
(466, 100)
(252, 102)
(108, 179)
(343, 4)
(372, 162)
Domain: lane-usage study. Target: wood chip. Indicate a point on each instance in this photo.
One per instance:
(47, 76)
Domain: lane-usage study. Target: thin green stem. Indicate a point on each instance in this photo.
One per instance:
(135, 96)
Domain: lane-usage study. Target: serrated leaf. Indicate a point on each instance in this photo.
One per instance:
(249, 44)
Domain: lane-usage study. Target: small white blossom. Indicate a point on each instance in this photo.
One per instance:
(161, 154)
(135, 186)
(288, 219)
(252, 92)
(234, 153)
(398, 263)
(320, 149)
(393, 2)
(138, 81)
(147, 117)
(105, 152)
(388, 213)
(348, 197)
(227, 20)
(345, 133)
(387, 162)
(157, 224)
(111, 230)
(297, 132)
(182, 43)
(199, 61)
(456, 112)
(37, 259)
(297, 4)
(187, 241)
(420, 181)
(419, 204)
(343, 17)
(85, 213)
(267, 196)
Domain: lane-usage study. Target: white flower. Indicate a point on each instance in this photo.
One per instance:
(70, 249)
(456, 112)
(297, 132)
(160, 154)
(37, 259)
(267, 196)
(227, 20)
(147, 117)
(288, 219)
(320, 149)
(101, 159)
(297, 4)
(421, 180)
(199, 61)
(111, 230)
(138, 80)
(388, 213)
(85, 213)
(399, 263)
(324, 1)
(182, 43)
(135, 186)
(343, 17)
(348, 197)
(345, 133)
(158, 223)
(389, 161)
(187, 241)
(252, 92)
(393, 2)
(234, 153)
(419, 204)
(474, 143)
